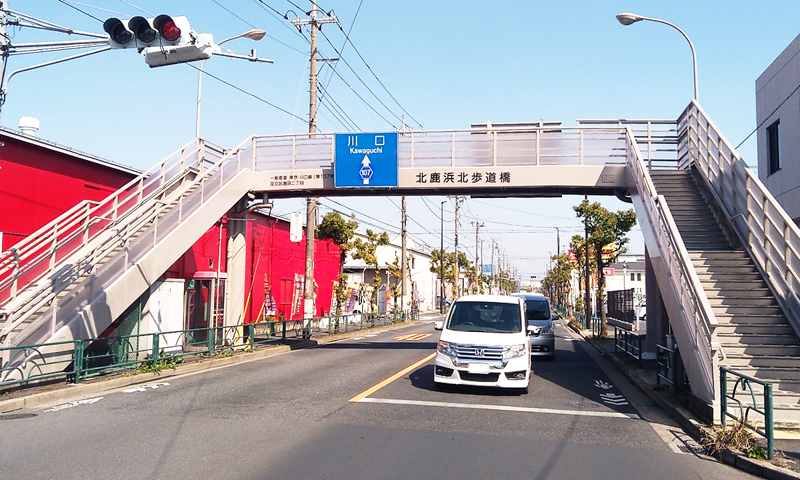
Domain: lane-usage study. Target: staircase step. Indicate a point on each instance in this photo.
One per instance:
(739, 310)
(729, 270)
(754, 329)
(753, 318)
(768, 301)
(737, 361)
(758, 350)
(760, 339)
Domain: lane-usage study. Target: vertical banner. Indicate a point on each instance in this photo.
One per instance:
(270, 307)
(296, 228)
(297, 295)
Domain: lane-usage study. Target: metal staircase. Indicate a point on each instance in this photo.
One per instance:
(754, 335)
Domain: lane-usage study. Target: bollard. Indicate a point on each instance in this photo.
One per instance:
(155, 348)
(78, 360)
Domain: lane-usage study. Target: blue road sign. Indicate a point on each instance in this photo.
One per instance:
(365, 160)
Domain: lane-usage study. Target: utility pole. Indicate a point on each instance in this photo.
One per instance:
(587, 296)
(478, 225)
(314, 21)
(403, 271)
(492, 279)
(457, 199)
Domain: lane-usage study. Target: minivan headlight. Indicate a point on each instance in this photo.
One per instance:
(546, 331)
(445, 349)
(514, 351)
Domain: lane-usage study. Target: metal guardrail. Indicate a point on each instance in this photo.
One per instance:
(744, 384)
(106, 355)
(628, 342)
(669, 368)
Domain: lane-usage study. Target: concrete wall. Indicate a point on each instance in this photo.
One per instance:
(778, 99)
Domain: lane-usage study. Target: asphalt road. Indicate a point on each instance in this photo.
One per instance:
(341, 411)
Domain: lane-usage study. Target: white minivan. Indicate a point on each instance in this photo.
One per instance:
(484, 342)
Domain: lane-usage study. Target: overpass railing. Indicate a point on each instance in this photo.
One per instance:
(770, 236)
(696, 315)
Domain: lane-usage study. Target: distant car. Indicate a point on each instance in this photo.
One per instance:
(484, 342)
(539, 316)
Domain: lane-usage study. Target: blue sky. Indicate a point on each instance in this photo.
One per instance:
(446, 63)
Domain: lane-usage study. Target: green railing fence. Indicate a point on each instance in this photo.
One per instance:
(80, 359)
(744, 384)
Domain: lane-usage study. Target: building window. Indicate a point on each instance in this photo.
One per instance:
(638, 277)
(774, 147)
(633, 277)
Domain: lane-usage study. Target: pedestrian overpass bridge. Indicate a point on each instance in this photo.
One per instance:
(725, 256)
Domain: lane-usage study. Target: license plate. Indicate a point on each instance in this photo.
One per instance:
(478, 368)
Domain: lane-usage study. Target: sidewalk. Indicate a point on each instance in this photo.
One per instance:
(785, 465)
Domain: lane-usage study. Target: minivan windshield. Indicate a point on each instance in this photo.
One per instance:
(537, 310)
(485, 317)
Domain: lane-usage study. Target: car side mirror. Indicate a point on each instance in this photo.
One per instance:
(438, 325)
(532, 329)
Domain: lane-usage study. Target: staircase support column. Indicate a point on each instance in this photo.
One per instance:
(657, 323)
(235, 285)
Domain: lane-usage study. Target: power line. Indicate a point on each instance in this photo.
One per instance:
(360, 79)
(248, 93)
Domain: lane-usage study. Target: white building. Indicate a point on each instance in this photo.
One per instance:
(778, 120)
(421, 283)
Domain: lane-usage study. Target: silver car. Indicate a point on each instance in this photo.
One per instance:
(538, 314)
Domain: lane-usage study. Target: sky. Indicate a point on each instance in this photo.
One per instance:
(431, 64)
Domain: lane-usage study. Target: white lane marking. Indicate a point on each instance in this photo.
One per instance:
(603, 385)
(65, 406)
(613, 399)
(631, 416)
(145, 387)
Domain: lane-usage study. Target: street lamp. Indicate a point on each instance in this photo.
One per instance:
(631, 18)
(441, 260)
(256, 34)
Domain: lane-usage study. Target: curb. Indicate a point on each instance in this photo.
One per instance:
(693, 427)
(103, 384)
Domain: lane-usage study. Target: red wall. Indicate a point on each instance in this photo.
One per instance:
(205, 255)
(273, 259)
(37, 185)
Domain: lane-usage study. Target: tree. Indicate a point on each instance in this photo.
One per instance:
(334, 228)
(606, 238)
(395, 275)
(449, 266)
(556, 282)
(366, 250)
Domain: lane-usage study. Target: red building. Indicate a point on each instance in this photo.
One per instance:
(40, 180)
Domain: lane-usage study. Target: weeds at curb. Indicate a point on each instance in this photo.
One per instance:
(735, 437)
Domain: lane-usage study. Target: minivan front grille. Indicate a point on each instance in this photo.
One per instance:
(477, 352)
(479, 377)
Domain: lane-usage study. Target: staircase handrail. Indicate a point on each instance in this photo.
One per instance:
(57, 240)
(768, 233)
(699, 316)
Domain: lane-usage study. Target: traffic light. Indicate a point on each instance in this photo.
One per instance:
(163, 40)
(139, 32)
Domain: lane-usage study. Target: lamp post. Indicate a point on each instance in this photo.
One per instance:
(631, 18)
(441, 260)
(255, 35)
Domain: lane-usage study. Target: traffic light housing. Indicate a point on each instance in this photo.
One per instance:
(163, 40)
(139, 32)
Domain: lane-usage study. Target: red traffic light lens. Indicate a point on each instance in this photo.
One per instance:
(170, 31)
(166, 26)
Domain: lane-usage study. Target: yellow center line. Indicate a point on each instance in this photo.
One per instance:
(366, 393)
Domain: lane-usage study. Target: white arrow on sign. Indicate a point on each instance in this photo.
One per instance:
(366, 171)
